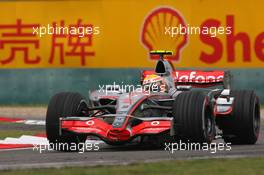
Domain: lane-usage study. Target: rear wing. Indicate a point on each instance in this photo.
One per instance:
(196, 78)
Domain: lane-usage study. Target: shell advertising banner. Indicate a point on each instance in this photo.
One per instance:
(121, 33)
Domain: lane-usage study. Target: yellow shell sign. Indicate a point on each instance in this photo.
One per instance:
(120, 34)
(153, 32)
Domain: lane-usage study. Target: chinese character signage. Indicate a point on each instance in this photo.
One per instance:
(120, 34)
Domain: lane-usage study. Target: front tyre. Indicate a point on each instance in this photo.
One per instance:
(62, 105)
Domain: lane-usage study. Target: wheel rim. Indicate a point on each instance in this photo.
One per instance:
(208, 123)
(256, 119)
(82, 108)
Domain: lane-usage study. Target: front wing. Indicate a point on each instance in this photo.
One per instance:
(98, 127)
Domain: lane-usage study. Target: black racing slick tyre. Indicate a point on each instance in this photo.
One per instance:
(193, 118)
(62, 105)
(243, 126)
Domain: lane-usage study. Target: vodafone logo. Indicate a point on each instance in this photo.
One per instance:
(153, 37)
(90, 123)
(155, 123)
(198, 77)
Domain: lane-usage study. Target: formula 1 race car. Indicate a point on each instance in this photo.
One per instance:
(186, 105)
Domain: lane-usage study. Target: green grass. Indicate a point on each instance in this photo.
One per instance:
(11, 124)
(23, 105)
(16, 133)
(14, 125)
(247, 166)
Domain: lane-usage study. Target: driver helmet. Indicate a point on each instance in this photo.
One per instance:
(154, 83)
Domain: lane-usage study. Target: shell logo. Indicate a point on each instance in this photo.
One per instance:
(153, 34)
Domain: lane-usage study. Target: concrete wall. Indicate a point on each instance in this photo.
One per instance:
(36, 86)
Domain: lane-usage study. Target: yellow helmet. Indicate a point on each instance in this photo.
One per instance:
(154, 83)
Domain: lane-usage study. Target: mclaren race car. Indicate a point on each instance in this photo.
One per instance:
(187, 105)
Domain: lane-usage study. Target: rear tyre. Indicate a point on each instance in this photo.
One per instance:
(243, 126)
(62, 105)
(193, 118)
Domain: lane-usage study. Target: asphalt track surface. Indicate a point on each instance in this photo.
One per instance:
(109, 155)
